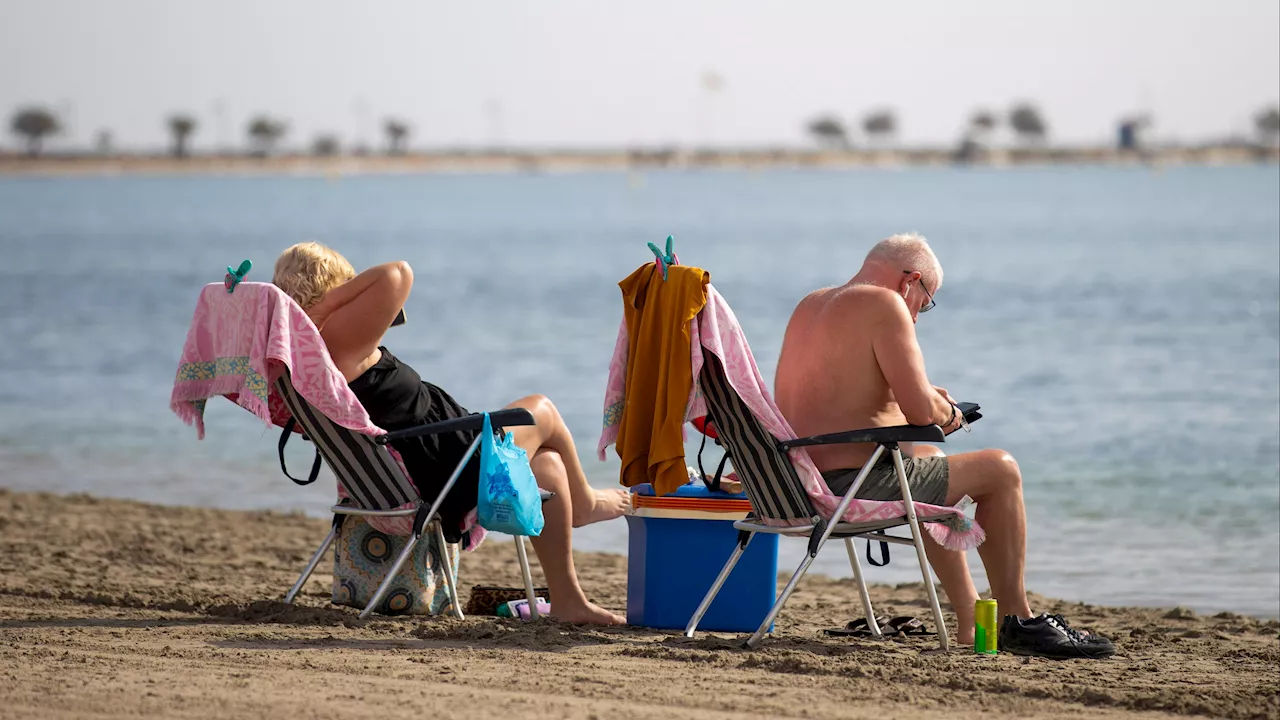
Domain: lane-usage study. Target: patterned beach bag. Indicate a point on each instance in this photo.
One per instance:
(362, 556)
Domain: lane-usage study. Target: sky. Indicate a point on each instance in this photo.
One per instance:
(594, 73)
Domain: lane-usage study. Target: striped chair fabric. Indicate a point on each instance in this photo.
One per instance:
(767, 475)
(366, 469)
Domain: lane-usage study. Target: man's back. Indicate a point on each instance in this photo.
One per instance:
(828, 379)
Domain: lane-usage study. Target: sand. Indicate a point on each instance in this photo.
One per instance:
(114, 609)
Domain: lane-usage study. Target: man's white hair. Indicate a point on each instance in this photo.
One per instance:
(908, 251)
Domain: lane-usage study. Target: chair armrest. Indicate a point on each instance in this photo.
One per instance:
(475, 421)
(897, 433)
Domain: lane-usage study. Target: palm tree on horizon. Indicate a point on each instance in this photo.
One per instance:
(181, 126)
(397, 134)
(264, 133)
(325, 145)
(828, 132)
(34, 124)
(1028, 123)
(1267, 124)
(880, 125)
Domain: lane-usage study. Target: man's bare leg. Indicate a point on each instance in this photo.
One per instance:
(993, 480)
(952, 569)
(555, 547)
(550, 433)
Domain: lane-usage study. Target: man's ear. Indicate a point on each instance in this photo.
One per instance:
(905, 286)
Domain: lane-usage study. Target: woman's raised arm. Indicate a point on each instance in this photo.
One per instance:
(353, 316)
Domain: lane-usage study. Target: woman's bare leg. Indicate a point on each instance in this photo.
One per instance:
(550, 433)
(555, 548)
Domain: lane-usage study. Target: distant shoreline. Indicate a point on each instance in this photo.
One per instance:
(561, 161)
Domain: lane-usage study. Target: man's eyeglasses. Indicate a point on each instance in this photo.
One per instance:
(929, 305)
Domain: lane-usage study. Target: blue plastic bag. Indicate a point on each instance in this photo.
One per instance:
(509, 500)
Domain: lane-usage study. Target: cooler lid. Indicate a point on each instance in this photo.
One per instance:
(690, 489)
(691, 496)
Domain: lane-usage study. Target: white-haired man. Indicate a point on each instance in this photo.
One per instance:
(850, 360)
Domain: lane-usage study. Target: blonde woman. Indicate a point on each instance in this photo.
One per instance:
(352, 311)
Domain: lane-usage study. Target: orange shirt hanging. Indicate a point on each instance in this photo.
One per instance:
(659, 374)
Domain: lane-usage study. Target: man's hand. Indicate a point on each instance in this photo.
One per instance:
(947, 428)
(945, 395)
(954, 425)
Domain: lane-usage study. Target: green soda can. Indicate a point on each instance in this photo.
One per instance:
(986, 627)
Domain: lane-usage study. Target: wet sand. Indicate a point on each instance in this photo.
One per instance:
(113, 609)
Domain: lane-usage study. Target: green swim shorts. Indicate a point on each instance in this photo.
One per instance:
(928, 478)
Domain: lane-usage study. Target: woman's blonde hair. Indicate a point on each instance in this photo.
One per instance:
(308, 270)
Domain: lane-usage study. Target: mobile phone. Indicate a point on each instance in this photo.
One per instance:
(969, 413)
(399, 320)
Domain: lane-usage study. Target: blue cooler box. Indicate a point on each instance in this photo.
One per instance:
(677, 545)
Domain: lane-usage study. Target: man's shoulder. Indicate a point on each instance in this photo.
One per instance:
(860, 299)
(845, 308)
(845, 294)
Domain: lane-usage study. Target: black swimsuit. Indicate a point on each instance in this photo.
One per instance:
(396, 398)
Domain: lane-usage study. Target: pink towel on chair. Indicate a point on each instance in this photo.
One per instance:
(238, 345)
(716, 330)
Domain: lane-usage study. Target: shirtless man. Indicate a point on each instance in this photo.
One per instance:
(850, 360)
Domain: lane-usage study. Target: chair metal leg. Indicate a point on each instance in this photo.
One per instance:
(311, 566)
(872, 625)
(782, 600)
(450, 581)
(715, 586)
(391, 576)
(943, 638)
(527, 575)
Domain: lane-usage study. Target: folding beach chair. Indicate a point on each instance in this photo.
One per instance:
(376, 487)
(776, 493)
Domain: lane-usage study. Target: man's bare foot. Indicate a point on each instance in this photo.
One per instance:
(607, 505)
(589, 614)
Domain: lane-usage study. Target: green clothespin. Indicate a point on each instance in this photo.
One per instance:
(234, 277)
(665, 260)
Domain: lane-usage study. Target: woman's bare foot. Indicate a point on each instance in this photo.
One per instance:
(606, 505)
(588, 614)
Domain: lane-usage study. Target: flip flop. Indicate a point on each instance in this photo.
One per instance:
(856, 628)
(908, 626)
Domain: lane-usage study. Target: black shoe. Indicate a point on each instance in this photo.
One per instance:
(1050, 636)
